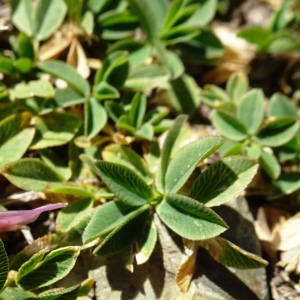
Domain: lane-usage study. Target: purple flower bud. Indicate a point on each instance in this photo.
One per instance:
(17, 219)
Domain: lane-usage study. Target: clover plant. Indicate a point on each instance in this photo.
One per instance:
(87, 88)
(289, 180)
(127, 223)
(280, 35)
(239, 116)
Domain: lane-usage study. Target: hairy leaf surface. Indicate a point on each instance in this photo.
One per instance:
(128, 186)
(223, 181)
(231, 255)
(185, 160)
(190, 218)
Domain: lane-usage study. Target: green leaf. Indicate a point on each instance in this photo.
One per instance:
(68, 188)
(85, 287)
(184, 15)
(186, 159)
(52, 159)
(127, 157)
(190, 218)
(36, 88)
(4, 265)
(63, 98)
(128, 186)
(253, 151)
(282, 18)
(22, 16)
(75, 12)
(97, 6)
(137, 110)
(124, 234)
(230, 148)
(178, 35)
(146, 131)
(251, 110)
(48, 269)
(49, 15)
(168, 145)
(281, 106)
(146, 241)
(236, 86)
(277, 132)
(184, 94)
(121, 31)
(95, 118)
(284, 41)
(6, 65)
(25, 47)
(23, 65)
(153, 157)
(204, 14)
(117, 25)
(205, 46)
(30, 174)
(270, 164)
(173, 12)
(114, 110)
(107, 217)
(67, 73)
(174, 64)
(16, 146)
(151, 16)
(60, 293)
(87, 23)
(213, 95)
(229, 254)
(156, 115)
(55, 129)
(229, 126)
(71, 215)
(256, 35)
(123, 123)
(114, 70)
(74, 235)
(104, 91)
(289, 150)
(224, 180)
(14, 293)
(12, 124)
(138, 51)
(146, 78)
(285, 184)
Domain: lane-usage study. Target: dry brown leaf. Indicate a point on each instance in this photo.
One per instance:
(77, 58)
(290, 260)
(66, 37)
(53, 48)
(122, 139)
(267, 224)
(289, 244)
(237, 56)
(72, 54)
(84, 142)
(94, 63)
(187, 266)
(44, 242)
(278, 231)
(289, 234)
